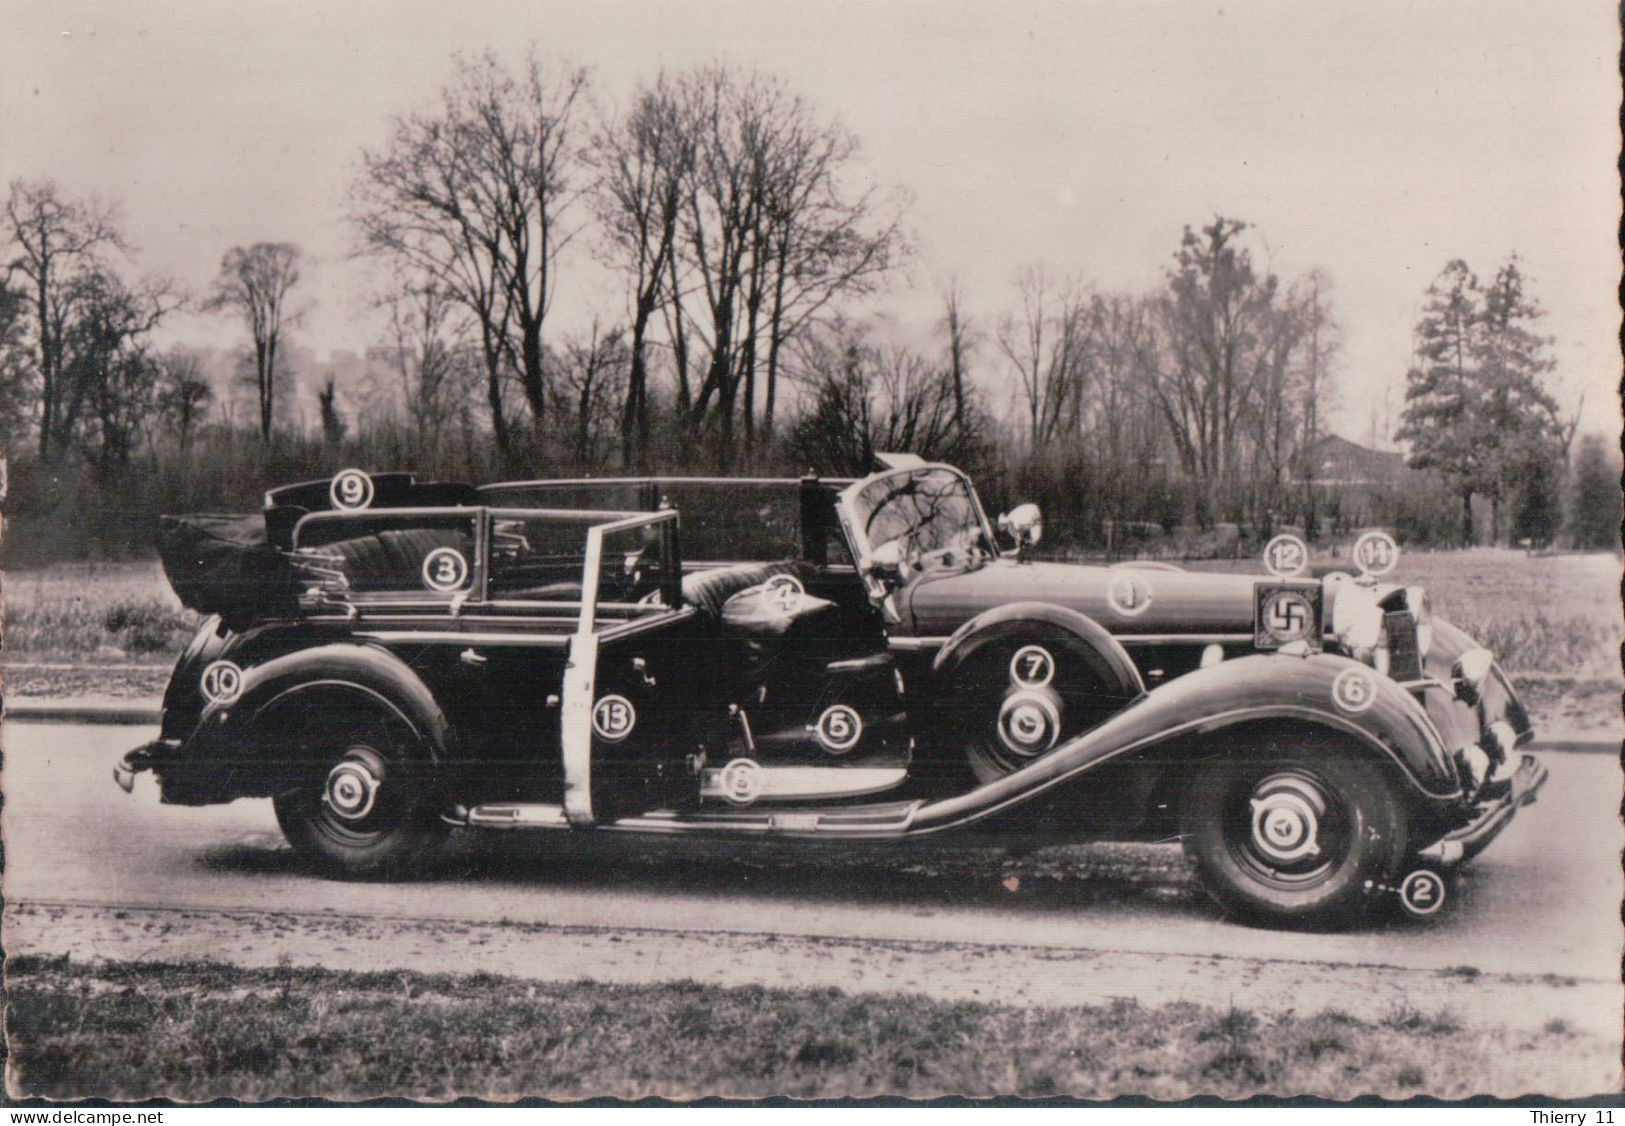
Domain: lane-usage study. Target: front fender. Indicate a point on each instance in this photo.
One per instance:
(231, 752)
(1112, 665)
(1384, 718)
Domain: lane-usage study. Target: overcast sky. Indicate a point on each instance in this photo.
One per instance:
(1374, 140)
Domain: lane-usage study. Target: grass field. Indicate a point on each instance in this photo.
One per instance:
(90, 611)
(1549, 614)
(202, 1030)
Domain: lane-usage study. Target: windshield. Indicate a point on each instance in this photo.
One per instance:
(924, 511)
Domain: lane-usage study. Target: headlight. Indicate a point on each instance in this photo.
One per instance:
(1357, 619)
(1421, 608)
(1359, 625)
(1470, 671)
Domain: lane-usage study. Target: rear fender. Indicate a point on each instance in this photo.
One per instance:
(1196, 711)
(238, 742)
(183, 699)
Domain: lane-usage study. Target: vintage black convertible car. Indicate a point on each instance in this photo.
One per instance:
(834, 660)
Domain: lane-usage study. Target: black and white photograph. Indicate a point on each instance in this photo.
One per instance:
(811, 550)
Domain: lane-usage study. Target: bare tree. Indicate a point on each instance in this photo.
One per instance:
(644, 163)
(109, 373)
(1322, 340)
(770, 236)
(477, 196)
(254, 282)
(870, 399)
(427, 350)
(962, 339)
(1046, 345)
(183, 393)
(587, 370)
(1225, 339)
(16, 368)
(57, 242)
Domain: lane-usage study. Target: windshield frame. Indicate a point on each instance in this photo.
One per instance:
(858, 539)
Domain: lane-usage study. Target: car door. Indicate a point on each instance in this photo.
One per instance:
(634, 711)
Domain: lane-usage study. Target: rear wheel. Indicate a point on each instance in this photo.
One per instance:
(360, 806)
(1293, 837)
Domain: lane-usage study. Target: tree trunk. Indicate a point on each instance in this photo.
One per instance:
(493, 393)
(532, 377)
(1467, 517)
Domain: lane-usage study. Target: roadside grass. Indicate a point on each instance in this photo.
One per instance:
(91, 611)
(198, 1031)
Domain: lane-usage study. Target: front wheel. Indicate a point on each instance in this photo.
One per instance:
(360, 808)
(1019, 698)
(1293, 838)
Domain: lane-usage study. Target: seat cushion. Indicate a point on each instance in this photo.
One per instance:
(710, 590)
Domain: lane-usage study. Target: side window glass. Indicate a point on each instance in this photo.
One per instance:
(537, 559)
(631, 567)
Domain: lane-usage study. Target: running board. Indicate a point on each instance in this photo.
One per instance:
(888, 820)
(795, 783)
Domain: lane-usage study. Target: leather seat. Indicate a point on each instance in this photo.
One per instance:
(710, 590)
(392, 559)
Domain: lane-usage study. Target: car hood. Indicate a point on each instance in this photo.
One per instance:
(1158, 601)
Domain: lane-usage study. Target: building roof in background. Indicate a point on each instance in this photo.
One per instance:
(1334, 460)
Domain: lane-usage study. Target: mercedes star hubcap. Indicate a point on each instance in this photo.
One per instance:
(352, 790)
(1286, 818)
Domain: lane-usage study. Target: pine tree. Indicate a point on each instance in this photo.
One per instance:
(1521, 416)
(1476, 410)
(1441, 417)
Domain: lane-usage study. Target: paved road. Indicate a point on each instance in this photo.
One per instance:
(1544, 900)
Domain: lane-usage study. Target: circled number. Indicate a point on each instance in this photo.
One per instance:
(613, 718)
(784, 593)
(1422, 892)
(839, 728)
(1354, 690)
(1032, 666)
(444, 568)
(351, 489)
(1285, 555)
(222, 682)
(1376, 553)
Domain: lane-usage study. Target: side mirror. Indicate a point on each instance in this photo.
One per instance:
(886, 561)
(1024, 524)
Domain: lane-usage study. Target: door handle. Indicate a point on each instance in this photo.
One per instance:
(472, 659)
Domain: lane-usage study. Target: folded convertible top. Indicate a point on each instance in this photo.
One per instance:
(224, 564)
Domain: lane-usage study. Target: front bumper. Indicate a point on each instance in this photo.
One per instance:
(1497, 802)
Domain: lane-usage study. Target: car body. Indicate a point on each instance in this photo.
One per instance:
(835, 660)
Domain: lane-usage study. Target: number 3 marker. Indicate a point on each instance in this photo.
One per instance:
(444, 569)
